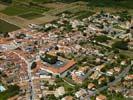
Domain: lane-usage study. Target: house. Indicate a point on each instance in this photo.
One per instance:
(110, 72)
(123, 63)
(59, 91)
(116, 89)
(95, 75)
(129, 94)
(101, 97)
(129, 77)
(83, 69)
(91, 86)
(130, 44)
(100, 67)
(78, 76)
(117, 69)
(80, 93)
(101, 80)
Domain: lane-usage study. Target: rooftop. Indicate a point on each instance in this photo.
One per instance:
(55, 67)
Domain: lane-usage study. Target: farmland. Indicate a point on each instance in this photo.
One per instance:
(17, 10)
(6, 27)
(31, 15)
(38, 11)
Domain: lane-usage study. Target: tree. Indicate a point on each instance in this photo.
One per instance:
(102, 38)
(111, 78)
(51, 87)
(42, 98)
(84, 34)
(49, 58)
(124, 16)
(122, 56)
(51, 97)
(104, 69)
(68, 27)
(61, 54)
(85, 84)
(120, 45)
(58, 77)
(115, 50)
(56, 48)
(33, 65)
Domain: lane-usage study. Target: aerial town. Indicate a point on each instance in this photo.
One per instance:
(88, 58)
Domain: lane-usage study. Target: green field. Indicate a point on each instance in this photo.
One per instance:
(22, 9)
(31, 15)
(6, 27)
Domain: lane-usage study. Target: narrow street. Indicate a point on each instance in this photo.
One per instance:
(31, 86)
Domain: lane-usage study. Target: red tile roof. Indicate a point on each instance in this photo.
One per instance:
(60, 70)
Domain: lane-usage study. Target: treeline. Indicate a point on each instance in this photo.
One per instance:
(111, 3)
(6, 1)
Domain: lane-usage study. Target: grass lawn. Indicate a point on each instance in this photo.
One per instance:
(7, 27)
(21, 9)
(31, 15)
(66, 86)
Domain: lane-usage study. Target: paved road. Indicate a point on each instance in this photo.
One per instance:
(31, 88)
(118, 79)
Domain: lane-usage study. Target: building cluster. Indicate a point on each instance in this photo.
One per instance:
(36, 57)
